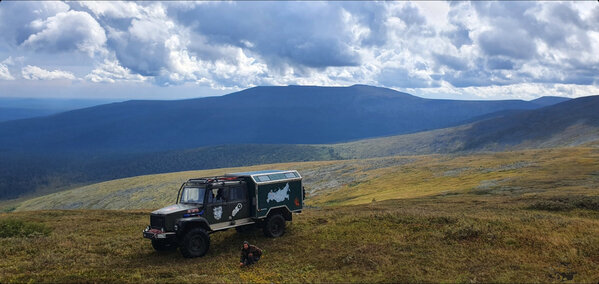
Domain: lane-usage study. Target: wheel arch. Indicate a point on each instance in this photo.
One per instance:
(186, 224)
(283, 210)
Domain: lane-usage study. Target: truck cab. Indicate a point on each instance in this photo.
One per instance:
(265, 199)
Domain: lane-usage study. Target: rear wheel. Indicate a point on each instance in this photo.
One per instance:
(195, 243)
(162, 245)
(274, 226)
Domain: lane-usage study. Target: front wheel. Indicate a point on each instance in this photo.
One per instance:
(274, 226)
(160, 245)
(195, 243)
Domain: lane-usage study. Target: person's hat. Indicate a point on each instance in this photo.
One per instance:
(246, 243)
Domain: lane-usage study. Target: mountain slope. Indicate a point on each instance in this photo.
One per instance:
(549, 100)
(569, 123)
(21, 108)
(261, 115)
(21, 113)
(345, 182)
(572, 123)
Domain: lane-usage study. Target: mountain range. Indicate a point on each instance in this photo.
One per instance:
(260, 115)
(273, 124)
(21, 108)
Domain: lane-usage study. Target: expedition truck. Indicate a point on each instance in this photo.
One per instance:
(265, 199)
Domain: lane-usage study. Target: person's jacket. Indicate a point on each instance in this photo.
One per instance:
(251, 249)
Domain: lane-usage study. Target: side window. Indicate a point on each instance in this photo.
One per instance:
(237, 193)
(216, 195)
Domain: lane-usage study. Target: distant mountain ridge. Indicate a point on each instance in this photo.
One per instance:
(260, 115)
(570, 123)
(22, 108)
(73, 156)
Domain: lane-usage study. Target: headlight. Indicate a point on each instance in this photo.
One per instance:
(176, 227)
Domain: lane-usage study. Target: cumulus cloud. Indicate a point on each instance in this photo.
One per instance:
(113, 9)
(36, 73)
(298, 33)
(67, 31)
(402, 45)
(4, 73)
(16, 18)
(111, 71)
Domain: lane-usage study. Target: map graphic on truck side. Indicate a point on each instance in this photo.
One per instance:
(278, 195)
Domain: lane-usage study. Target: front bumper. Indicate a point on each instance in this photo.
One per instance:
(155, 234)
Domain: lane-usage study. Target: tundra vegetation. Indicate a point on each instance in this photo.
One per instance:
(521, 216)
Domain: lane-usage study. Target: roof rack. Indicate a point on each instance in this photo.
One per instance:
(215, 179)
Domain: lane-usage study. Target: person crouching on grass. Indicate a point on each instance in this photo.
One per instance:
(250, 254)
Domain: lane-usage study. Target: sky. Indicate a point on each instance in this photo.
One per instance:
(174, 50)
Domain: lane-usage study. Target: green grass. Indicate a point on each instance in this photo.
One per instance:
(524, 216)
(459, 238)
(529, 173)
(18, 228)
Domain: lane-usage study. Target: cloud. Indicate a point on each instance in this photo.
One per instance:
(396, 44)
(453, 62)
(4, 73)
(516, 44)
(156, 46)
(112, 71)
(310, 34)
(16, 18)
(113, 9)
(68, 31)
(402, 78)
(36, 73)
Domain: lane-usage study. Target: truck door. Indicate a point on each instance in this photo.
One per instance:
(238, 206)
(216, 206)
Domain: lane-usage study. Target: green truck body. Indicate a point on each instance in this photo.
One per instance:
(264, 199)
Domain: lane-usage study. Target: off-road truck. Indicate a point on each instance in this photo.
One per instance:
(264, 199)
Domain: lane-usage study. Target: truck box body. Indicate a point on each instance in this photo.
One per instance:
(273, 189)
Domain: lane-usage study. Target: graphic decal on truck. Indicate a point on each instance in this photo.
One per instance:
(218, 212)
(278, 195)
(236, 209)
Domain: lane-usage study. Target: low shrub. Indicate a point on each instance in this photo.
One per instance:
(587, 202)
(567, 203)
(551, 205)
(463, 231)
(10, 228)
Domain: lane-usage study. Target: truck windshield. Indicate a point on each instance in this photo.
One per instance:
(193, 195)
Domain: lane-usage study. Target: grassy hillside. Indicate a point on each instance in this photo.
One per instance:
(523, 216)
(22, 173)
(345, 182)
(149, 191)
(530, 173)
(443, 238)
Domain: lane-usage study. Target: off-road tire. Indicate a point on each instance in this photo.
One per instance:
(274, 226)
(161, 245)
(195, 243)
